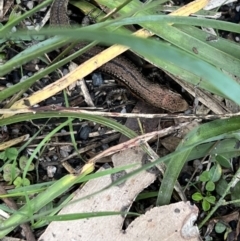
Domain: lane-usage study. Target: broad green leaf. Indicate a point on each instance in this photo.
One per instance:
(11, 153)
(10, 172)
(215, 172)
(205, 176)
(220, 227)
(23, 163)
(197, 196)
(3, 156)
(205, 205)
(18, 182)
(210, 199)
(221, 186)
(223, 161)
(210, 186)
(25, 182)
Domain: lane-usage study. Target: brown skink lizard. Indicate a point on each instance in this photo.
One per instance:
(123, 70)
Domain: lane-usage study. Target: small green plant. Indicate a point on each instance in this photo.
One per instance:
(209, 178)
(222, 227)
(9, 154)
(14, 166)
(19, 182)
(206, 200)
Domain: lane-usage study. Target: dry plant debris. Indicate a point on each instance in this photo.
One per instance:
(170, 223)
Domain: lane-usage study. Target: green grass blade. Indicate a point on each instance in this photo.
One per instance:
(179, 20)
(207, 74)
(204, 133)
(221, 44)
(225, 148)
(77, 216)
(40, 201)
(48, 114)
(201, 49)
